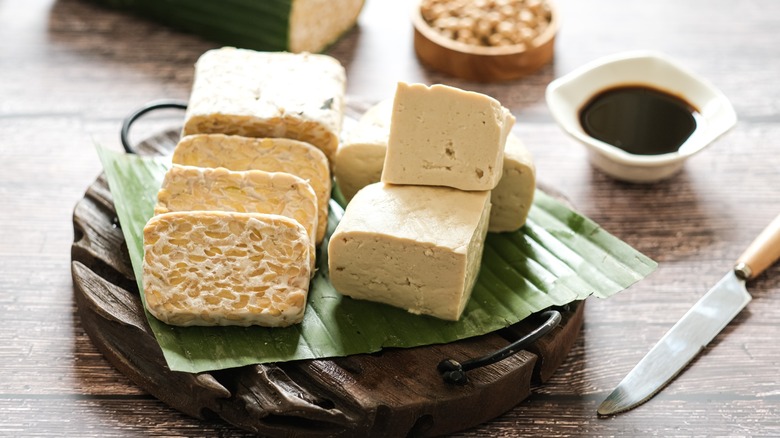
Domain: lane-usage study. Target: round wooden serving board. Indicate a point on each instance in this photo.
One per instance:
(397, 392)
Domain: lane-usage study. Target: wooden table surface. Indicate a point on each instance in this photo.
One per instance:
(71, 70)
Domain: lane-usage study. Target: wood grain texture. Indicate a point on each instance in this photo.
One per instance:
(70, 70)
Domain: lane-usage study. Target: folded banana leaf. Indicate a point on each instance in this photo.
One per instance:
(558, 257)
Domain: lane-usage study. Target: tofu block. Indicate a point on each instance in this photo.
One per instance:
(187, 188)
(443, 136)
(379, 115)
(269, 154)
(513, 196)
(268, 94)
(225, 268)
(360, 158)
(414, 247)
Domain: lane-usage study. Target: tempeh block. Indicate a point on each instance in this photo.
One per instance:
(268, 154)
(225, 268)
(268, 94)
(187, 188)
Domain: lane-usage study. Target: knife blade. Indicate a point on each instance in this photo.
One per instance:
(708, 317)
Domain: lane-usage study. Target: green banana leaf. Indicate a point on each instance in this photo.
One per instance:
(558, 257)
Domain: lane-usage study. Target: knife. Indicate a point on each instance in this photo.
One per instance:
(697, 327)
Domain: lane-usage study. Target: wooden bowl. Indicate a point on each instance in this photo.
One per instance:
(480, 63)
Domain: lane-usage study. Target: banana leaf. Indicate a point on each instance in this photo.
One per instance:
(558, 257)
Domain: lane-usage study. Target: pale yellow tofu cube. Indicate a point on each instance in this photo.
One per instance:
(360, 157)
(414, 247)
(444, 136)
(514, 195)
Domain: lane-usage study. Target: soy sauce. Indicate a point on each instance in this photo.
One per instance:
(639, 119)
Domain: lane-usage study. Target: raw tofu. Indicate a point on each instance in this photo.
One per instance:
(443, 136)
(187, 188)
(225, 268)
(414, 247)
(513, 196)
(360, 158)
(269, 154)
(268, 94)
(379, 115)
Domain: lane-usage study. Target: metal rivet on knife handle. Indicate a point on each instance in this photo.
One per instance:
(762, 253)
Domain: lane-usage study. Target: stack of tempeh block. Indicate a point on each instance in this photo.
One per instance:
(239, 214)
(415, 239)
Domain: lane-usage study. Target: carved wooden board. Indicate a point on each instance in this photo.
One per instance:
(397, 392)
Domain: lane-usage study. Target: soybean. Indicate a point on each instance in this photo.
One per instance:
(490, 23)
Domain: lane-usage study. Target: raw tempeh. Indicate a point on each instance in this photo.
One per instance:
(187, 188)
(268, 94)
(269, 154)
(225, 268)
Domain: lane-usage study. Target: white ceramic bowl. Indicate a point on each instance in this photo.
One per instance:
(567, 95)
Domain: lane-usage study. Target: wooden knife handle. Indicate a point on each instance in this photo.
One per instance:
(763, 252)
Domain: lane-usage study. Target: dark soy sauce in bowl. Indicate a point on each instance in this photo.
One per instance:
(640, 120)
